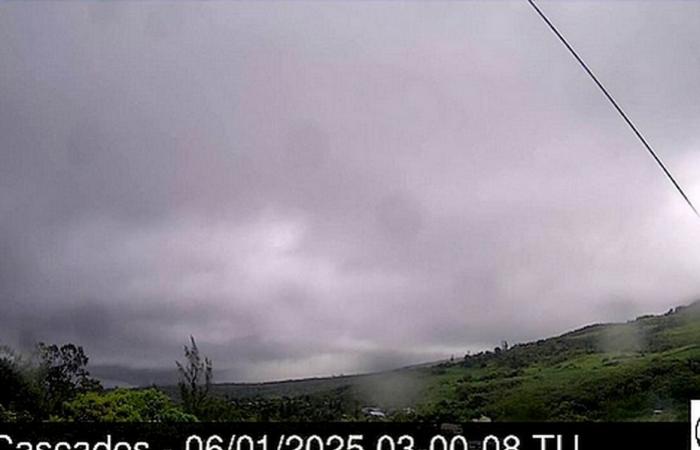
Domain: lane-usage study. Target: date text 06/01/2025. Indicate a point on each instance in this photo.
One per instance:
(385, 442)
(314, 442)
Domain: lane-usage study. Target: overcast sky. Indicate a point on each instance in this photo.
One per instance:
(323, 188)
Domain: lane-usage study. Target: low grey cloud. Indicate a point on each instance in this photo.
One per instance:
(322, 188)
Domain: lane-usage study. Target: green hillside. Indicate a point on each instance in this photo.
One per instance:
(645, 369)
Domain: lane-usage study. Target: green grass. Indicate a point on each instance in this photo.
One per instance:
(646, 369)
(642, 370)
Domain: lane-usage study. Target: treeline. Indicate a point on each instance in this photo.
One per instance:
(544, 351)
(39, 387)
(54, 384)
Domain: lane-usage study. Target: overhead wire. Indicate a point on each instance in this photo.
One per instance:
(616, 105)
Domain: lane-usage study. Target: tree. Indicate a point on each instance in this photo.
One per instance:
(20, 397)
(63, 375)
(195, 380)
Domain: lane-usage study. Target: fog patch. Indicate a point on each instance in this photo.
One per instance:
(392, 390)
(623, 338)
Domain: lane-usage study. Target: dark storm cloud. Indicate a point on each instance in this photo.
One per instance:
(314, 189)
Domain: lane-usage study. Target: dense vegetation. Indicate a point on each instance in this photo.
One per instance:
(646, 369)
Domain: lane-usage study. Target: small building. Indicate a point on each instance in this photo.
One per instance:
(482, 419)
(372, 412)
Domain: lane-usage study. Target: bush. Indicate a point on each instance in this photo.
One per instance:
(124, 405)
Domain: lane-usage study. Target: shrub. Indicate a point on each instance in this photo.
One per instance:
(124, 405)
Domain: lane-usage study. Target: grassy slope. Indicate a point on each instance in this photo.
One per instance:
(645, 369)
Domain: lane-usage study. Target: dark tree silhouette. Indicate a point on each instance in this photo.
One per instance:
(63, 374)
(195, 379)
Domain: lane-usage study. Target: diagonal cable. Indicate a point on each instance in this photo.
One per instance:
(617, 107)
